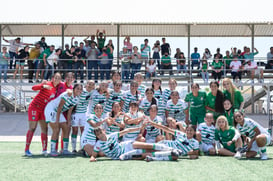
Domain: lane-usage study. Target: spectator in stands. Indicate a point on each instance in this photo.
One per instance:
(75, 43)
(135, 62)
(125, 57)
(227, 60)
(69, 57)
(252, 68)
(177, 56)
(270, 59)
(207, 53)
(105, 62)
(128, 44)
(4, 58)
(245, 50)
(166, 64)
(249, 55)
(156, 48)
(151, 69)
(110, 50)
(145, 51)
(204, 69)
(217, 69)
(165, 47)
(235, 67)
(33, 61)
(20, 62)
(79, 64)
(89, 42)
(43, 44)
(195, 58)
(51, 63)
(218, 54)
(42, 65)
(181, 66)
(13, 49)
(92, 54)
(101, 38)
(233, 51)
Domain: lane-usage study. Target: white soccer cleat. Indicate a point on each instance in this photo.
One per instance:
(264, 156)
(148, 159)
(238, 155)
(45, 153)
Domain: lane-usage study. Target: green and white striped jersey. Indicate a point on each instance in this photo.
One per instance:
(111, 147)
(144, 106)
(161, 106)
(127, 98)
(248, 128)
(88, 133)
(133, 135)
(207, 133)
(151, 131)
(182, 143)
(84, 100)
(97, 98)
(114, 97)
(70, 101)
(176, 111)
(113, 128)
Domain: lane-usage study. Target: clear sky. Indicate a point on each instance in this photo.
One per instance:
(147, 11)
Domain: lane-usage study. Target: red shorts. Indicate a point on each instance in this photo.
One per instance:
(35, 114)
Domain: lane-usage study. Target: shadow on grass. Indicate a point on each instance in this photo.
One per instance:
(253, 159)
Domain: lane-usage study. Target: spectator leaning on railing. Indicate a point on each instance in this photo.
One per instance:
(14, 49)
(33, 61)
(4, 58)
(125, 56)
(20, 62)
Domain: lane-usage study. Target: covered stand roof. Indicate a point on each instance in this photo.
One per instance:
(264, 29)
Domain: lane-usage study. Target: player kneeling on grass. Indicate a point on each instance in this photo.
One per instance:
(185, 143)
(53, 114)
(206, 135)
(255, 135)
(227, 139)
(110, 146)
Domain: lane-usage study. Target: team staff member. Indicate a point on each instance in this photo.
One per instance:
(36, 111)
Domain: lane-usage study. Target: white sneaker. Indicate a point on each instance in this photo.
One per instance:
(148, 159)
(45, 153)
(264, 156)
(28, 153)
(238, 155)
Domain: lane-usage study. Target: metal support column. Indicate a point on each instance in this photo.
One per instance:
(118, 40)
(0, 50)
(252, 86)
(63, 36)
(189, 55)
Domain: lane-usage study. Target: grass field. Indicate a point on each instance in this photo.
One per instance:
(15, 166)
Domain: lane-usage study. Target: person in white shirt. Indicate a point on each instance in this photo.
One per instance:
(235, 67)
(252, 68)
(151, 69)
(51, 60)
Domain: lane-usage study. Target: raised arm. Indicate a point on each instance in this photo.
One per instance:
(163, 128)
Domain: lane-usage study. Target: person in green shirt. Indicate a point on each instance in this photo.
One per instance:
(227, 60)
(214, 100)
(217, 69)
(197, 101)
(233, 94)
(229, 112)
(166, 64)
(227, 139)
(101, 38)
(204, 69)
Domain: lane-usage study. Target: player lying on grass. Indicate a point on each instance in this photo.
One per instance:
(110, 146)
(184, 142)
(254, 135)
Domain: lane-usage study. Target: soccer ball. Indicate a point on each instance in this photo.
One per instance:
(261, 140)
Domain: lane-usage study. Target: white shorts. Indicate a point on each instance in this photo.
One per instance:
(87, 142)
(50, 115)
(204, 147)
(255, 146)
(124, 139)
(78, 119)
(127, 145)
